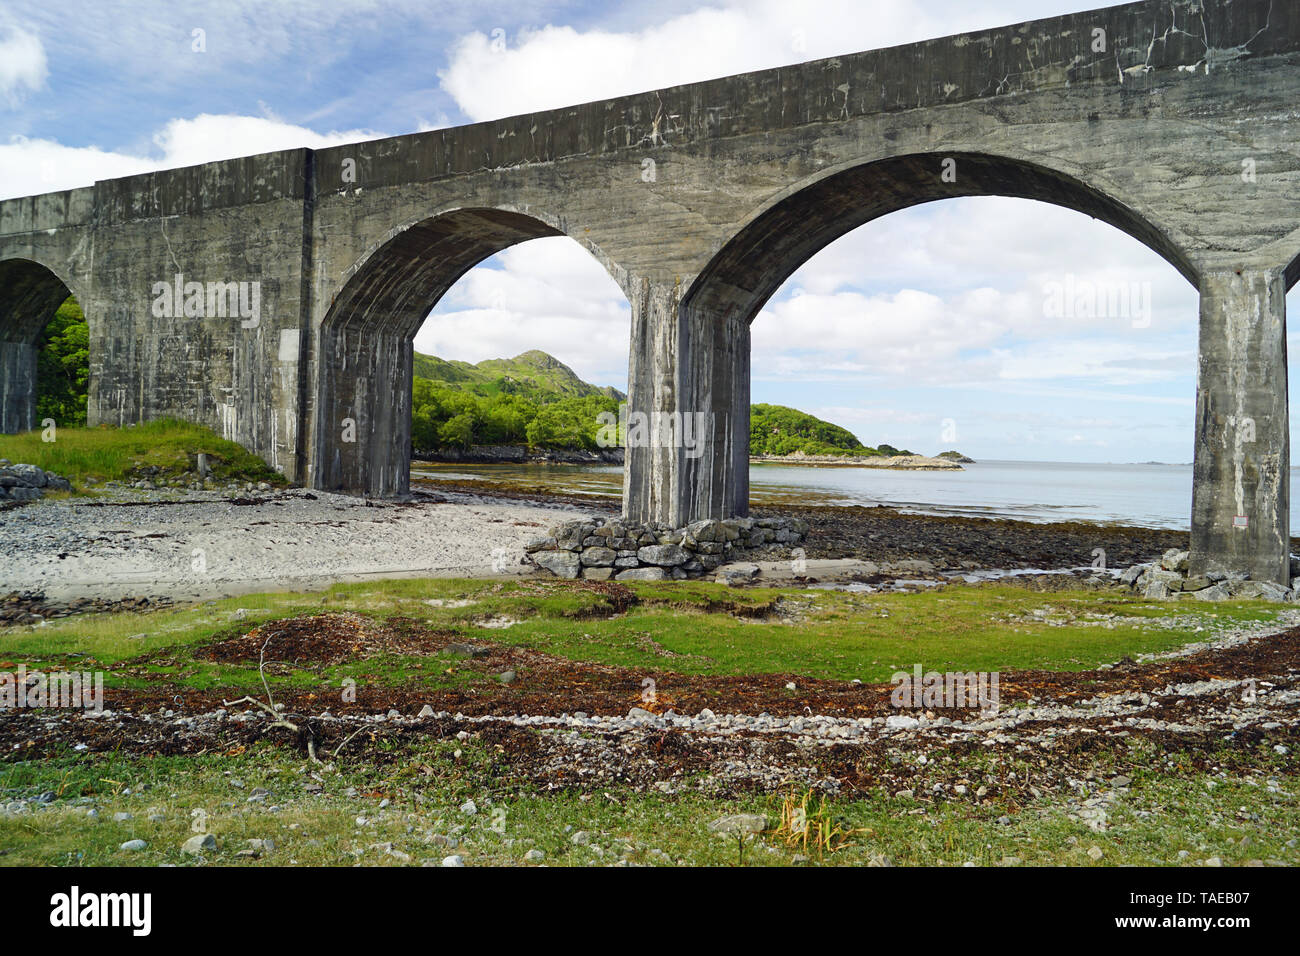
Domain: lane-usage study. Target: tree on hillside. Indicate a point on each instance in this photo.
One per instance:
(63, 367)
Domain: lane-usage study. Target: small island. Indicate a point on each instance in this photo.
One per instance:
(779, 435)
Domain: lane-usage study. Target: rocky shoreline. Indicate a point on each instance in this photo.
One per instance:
(897, 462)
(520, 455)
(184, 545)
(23, 483)
(32, 607)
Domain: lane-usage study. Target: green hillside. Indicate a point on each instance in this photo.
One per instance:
(533, 373)
(533, 399)
(779, 430)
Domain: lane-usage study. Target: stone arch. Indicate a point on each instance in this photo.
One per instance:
(365, 351)
(30, 293)
(789, 230)
(778, 238)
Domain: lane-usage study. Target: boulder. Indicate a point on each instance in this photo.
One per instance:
(641, 574)
(729, 530)
(1174, 560)
(1129, 577)
(706, 530)
(599, 557)
(570, 535)
(735, 574)
(1215, 592)
(1170, 579)
(1156, 591)
(195, 845)
(1260, 590)
(563, 564)
(664, 555)
(29, 475)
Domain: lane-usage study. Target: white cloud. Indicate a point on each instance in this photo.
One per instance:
(22, 64)
(547, 294)
(206, 138)
(557, 66)
(31, 166)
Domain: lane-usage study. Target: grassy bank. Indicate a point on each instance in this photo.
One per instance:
(120, 454)
(393, 797)
(344, 823)
(686, 628)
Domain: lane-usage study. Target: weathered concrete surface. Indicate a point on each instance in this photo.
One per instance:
(700, 200)
(45, 251)
(1241, 507)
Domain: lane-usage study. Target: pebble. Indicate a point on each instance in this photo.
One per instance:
(195, 845)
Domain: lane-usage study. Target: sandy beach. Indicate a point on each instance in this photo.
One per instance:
(201, 545)
(185, 546)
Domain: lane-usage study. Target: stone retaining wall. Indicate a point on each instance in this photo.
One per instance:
(1170, 579)
(605, 549)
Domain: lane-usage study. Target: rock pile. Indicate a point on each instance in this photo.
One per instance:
(1170, 579)
(605, 549)
(31, 607)
(27, 482)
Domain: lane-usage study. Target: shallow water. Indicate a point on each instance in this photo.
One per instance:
(1155, 496)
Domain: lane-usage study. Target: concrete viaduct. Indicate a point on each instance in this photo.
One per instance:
(1173, 120)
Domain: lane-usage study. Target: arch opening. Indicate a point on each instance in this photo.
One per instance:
(366, 357)
(43, 349)
(748, 271)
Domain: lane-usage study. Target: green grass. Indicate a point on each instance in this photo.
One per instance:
(684, 628)
(1245, 808)
(113, 454)
(1199, 814)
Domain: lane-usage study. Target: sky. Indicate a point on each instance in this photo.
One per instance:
(933, 328)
